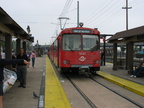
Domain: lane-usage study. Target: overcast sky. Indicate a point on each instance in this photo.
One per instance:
(42, 15)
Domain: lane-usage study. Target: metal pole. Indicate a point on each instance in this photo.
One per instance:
(127, 8)
(126, 14)
(0, 49)
(77, 13)
(104, 50)
(60, 25)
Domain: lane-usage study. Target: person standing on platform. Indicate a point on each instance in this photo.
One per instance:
(3, 63)
(22, 69)
(102, 58)
(33, 56)
(14, 65)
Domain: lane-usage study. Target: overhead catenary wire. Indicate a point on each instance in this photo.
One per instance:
(66, 7)
(65, 10)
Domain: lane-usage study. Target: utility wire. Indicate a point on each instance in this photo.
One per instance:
(117, 13)
(70, 10)
(110, 15)
(137, 3)
(100, 14)
(107, 12)
(98, 11)
(111, 19)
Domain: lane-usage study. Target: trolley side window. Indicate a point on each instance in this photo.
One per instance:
(71, 42)
(90, 43)
(55, 45)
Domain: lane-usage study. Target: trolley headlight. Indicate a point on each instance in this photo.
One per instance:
(66, 62)
(97, 62)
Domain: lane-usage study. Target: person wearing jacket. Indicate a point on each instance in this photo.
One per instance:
(3, 63)
(22, 69)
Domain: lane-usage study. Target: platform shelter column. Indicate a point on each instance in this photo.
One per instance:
(115, 56)
(126, 67)
(8, 46)
(130, 56)
(24, 46)
(0, 48)
(18, 46)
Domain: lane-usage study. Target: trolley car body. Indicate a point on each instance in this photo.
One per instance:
(76, 48)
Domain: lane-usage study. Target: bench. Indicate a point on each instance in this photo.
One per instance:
(142, 72)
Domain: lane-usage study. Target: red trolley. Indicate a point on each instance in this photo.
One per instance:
(76, 49)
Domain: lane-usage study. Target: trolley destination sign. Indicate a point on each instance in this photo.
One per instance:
(81, 31)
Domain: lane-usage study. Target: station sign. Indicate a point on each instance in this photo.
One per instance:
(81, 31)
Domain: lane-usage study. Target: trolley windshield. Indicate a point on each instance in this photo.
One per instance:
(77, 42)
(72, 42)
(90, 43)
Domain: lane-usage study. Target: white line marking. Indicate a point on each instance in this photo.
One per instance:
(41, 101)
(62, 80)
(43, 73)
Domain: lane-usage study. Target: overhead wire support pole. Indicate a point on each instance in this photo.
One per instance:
(77, 13)
(62, 18)
(127, 8)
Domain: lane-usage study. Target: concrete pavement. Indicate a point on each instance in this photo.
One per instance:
(23, 97)
(121, 73)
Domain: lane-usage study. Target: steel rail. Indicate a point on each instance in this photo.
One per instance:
(117, 93)
(82, 94)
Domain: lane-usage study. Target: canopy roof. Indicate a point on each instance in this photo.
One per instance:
(9, 26)
(135, 34)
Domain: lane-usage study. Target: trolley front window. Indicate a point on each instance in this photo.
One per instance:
(72, 42)
(90, 43)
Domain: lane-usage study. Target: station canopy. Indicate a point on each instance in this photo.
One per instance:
(9, 26)
(134, 35)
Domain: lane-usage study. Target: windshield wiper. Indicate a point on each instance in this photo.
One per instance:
(69, 47)
(92, 49)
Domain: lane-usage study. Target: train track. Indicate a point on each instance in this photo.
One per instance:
(116, 93)
(81, 92)
(92, 105)
(87, 99)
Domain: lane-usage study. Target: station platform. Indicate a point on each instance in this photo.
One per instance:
(23, 97)
(122, 78)
(54, 95)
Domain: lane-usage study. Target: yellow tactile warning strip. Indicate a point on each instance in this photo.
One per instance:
(55, 96)
(134, 87)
